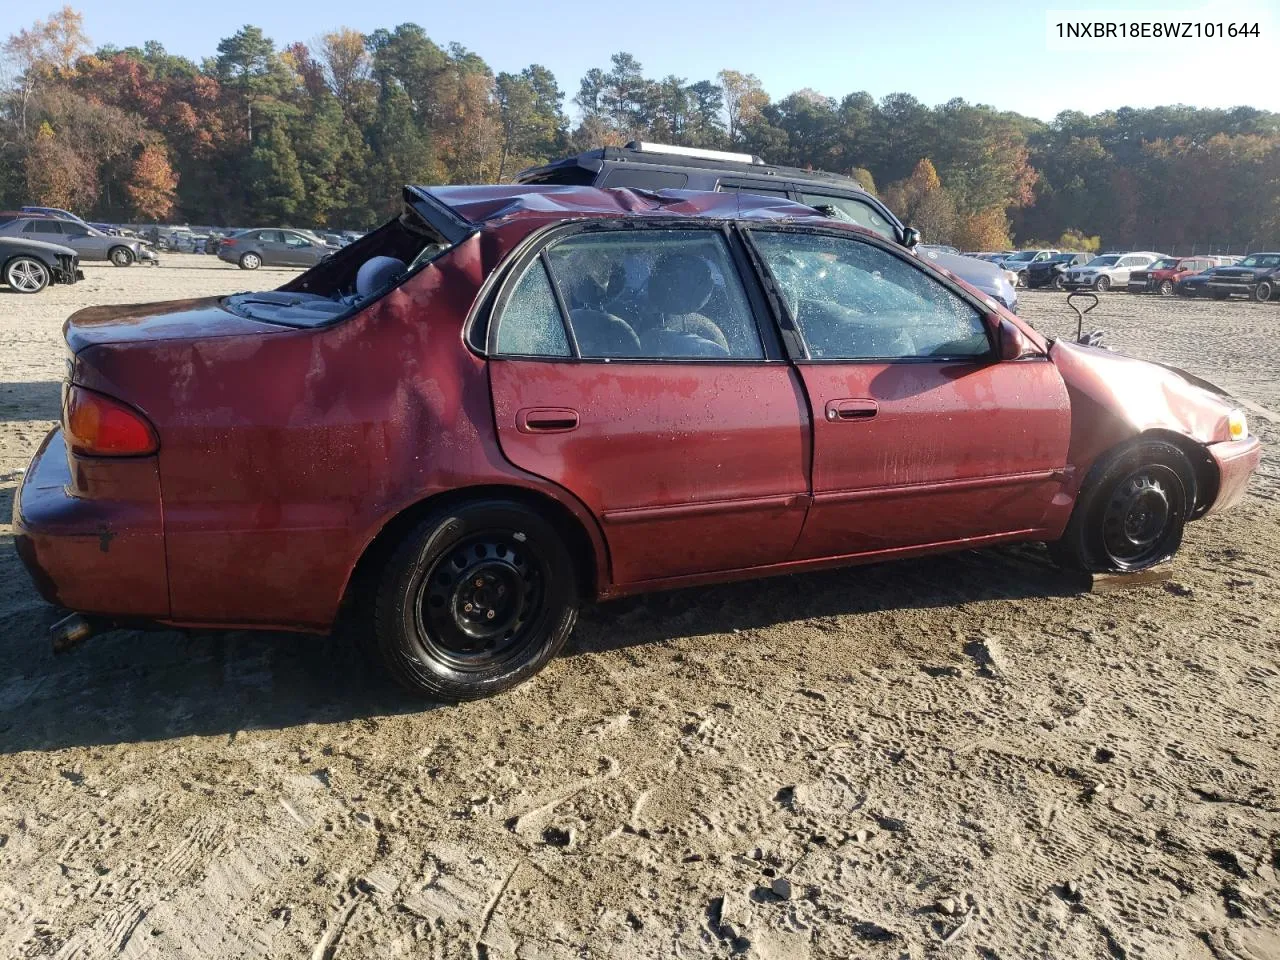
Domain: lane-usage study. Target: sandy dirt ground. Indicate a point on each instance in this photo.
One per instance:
(964, 756)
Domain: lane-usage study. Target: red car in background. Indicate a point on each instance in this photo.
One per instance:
(1162, 276)
(510, 400)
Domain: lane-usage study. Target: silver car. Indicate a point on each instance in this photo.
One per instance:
(1109, 270)
(88, 242)
(251, 249)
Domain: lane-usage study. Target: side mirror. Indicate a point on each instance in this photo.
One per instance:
(1012, 343)
(910, 237)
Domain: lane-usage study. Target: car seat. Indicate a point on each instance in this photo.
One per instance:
(680, 284)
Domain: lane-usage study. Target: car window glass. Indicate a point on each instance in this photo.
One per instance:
(863, 214)
(654, 294)
(854, 301)
(646, 179)
(752, 189)
(42, 226)
(530, 323)
(293, 240)
(269, 236)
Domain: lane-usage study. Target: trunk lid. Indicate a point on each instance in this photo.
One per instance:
(201, 319)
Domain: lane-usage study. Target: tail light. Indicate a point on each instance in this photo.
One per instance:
(98, 426)
(228, 242)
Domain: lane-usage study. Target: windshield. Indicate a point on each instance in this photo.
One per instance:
(1064, 257)
(1166, 264)
(1261, 260)
(1021, 257)
(1102, 262)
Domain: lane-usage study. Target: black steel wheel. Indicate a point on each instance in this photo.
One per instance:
(1131, 512)
(475, 600)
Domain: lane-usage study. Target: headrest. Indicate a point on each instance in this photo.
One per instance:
(375, 273)
(680, 283)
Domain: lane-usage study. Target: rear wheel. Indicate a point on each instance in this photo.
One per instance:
(250, 261)
(120, 256)
(1102, 284)
(26, 275)
(1262, 292)
(1166, 288)
(475, 600)
(1131, 513)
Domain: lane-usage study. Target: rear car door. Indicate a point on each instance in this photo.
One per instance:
(271, 243)
(630, 367)
(921, 434)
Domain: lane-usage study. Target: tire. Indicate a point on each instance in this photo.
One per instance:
(120, 256)
(1020, 280)
(26, 275)
(1059, 283)
(1262, 292)
(1102, 284)
(442, 632)
(1131, 512)
(1166, 288)
(250, 261)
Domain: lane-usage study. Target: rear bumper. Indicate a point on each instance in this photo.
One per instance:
(1236, 461)
(93, 540)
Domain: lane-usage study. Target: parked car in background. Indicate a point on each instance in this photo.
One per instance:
(87, 242)
(28, 266)
(1256, 276)
(108, 228)
(54, 212)
(657, 166)
(1018, 263)
(938, 248)
(1108, 270)
(1049, 272)
(1162, 276)
(467, 482)
(251, 249)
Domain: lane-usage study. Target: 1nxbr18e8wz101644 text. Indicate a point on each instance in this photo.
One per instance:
(1155, 29)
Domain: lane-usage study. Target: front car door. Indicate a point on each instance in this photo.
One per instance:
(921, 435)
(298, 251)
(632, 368)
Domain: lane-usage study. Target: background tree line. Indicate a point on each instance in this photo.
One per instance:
(325, 133)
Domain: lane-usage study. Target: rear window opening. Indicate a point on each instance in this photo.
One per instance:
(350, 279)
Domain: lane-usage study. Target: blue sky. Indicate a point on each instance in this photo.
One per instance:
(987, 53)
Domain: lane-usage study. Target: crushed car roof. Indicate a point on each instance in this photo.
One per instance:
(484, 204)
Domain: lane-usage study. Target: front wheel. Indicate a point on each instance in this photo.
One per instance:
(1131, 513)
(475, 600)
(1262, 292)
(250, 261)
(120, 256)
(26, 275)
(1102, 284)
(1166, 288)
(1059, 283)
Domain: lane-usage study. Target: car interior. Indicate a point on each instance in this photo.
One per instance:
(349, 279)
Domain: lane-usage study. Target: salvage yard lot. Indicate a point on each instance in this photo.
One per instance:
(965, 750)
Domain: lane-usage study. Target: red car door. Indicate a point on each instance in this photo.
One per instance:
(921, 435)
(628, 367)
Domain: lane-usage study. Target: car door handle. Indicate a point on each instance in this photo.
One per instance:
(856, 409)
(546, 420)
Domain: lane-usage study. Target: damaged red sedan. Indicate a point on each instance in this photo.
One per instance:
(510, 400)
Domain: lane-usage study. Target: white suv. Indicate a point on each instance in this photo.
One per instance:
(1108, 270)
